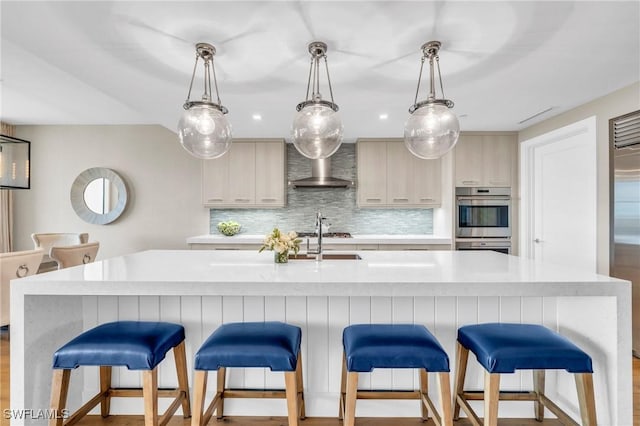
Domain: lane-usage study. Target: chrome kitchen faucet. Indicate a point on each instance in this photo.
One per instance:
(317, 251)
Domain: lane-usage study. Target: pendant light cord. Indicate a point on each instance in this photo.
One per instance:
(207, 82)
(193, 74)
(316, 75)
(328, 78)
(215, 82)
(313, 81)
(415, 100)
(309, 80)
(440, 76)
(432, 91)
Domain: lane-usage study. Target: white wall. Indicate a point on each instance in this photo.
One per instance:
(612, 105)
(162, 178)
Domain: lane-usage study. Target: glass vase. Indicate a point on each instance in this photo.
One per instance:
(281, 257)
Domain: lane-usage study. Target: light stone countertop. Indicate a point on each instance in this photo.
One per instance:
(241, 239)
(378, 273)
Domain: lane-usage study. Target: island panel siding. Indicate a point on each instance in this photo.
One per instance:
(322, 320)
(274, 310)
(381, 312)
(338, 313)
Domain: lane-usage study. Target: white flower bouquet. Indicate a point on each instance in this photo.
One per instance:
(281, 244)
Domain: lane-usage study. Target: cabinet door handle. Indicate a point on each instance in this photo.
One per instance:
(268, 200)
(372, 200)
(214, 200)
(427, 199)
(242, 200)
(470, 182)
(401, 200)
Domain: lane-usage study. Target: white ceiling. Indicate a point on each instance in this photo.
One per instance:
(126, 62)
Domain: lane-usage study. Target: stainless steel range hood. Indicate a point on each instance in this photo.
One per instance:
(321, 177)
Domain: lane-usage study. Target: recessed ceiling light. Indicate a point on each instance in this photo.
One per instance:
(257, 117)
(383, 116)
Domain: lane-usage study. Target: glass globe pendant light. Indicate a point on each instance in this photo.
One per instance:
(432, 129)
(203, 129)
(317, 127)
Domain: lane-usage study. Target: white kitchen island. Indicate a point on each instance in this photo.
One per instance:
(440, 289)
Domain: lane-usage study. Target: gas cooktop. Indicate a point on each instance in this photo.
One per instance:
(324, 234)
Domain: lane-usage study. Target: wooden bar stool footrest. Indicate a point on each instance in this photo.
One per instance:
(504, 395)
(388, 394)
(177, 394)
(254, 393)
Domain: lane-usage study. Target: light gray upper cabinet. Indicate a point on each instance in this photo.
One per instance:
(486, 159)
(372, 173)
(251, 175)
(390, 176)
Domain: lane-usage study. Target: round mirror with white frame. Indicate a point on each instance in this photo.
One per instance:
(98, 195)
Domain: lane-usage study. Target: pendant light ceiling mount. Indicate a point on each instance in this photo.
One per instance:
(318, 48)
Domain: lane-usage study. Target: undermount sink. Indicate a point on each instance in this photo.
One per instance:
(325, 256)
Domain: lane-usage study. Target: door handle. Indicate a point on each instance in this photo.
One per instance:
(538, 241)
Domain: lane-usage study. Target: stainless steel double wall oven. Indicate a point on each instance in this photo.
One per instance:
(483, 219)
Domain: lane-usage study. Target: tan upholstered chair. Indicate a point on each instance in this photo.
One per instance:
(13, 265)
(46, 241)
(79, 254)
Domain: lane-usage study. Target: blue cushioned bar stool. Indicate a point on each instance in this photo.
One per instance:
(138, 345)
(504, 348)
(369, 346)
(273, 345)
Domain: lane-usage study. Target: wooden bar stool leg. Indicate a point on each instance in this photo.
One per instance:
(446, 417)
(150, 395)
(538, 387)
(350, 400)
(343, 387)
(220, 382)
(291, 389)
(424, 390)
(462, 356)
(300, 383)
(586, 398)
(491, 396)
(199, 393)
(59, 390)
(105, 385)
(180, 356)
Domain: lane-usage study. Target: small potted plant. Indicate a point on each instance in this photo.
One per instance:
(281, 244)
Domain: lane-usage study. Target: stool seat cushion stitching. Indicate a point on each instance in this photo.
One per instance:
(369, 346)
(138, 345)
(270, 344)
(504, 348)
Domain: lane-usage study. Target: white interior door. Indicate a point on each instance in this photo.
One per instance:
(559, 196)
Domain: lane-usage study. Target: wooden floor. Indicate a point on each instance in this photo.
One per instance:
(278, 421)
